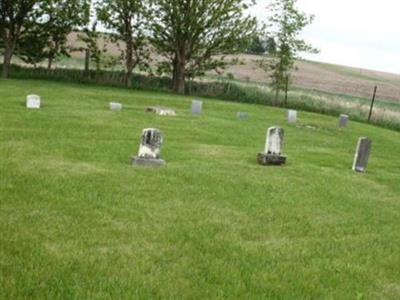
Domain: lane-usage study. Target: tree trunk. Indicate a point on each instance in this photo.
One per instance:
(128, 79)
(180, 75)
(174, 68)
(8, 53)
(50, 62)
(87, 62)
(129, 62)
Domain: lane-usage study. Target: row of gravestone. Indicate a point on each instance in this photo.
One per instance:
(149, 150)
(152, 139)
(33, 101)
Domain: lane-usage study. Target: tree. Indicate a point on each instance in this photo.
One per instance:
(60, 18)
(93, 52)
(289, 22)
(15, 16)
(190, 33)
(257, 46)
(270, 46)
(31, 46)
(126, 20)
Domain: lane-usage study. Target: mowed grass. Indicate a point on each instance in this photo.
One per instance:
(77, 221)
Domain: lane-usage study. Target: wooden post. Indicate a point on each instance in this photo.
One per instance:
(372, 104)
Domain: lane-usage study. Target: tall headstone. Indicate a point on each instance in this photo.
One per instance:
(33, 101)
(197, 107)
(273, 148)
(242, 115)
(115, 106)
(150, 148)
(343, 120)
(292, 116)
(362, 155)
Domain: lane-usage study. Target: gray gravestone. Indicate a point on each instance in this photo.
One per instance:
(115, 106)
(343, 120)
(197, 107)
(292, 116)
(161, 111)
(273, 148)
(33, 101)
(150, 148)
(362, 154)
(242, 115)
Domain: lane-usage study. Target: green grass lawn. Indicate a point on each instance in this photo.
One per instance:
(77, 221)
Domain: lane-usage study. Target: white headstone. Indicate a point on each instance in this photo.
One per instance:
(362, 154)
(197, 107)
(343, 120)
(150, 144)
(150, 148)
(292, 116)
(115, 106)
(33, 101)
(274, 142)
(272, 154)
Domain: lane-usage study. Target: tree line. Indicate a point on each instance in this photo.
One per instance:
(191, 36)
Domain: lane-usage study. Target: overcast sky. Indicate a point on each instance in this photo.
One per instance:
(358, 33)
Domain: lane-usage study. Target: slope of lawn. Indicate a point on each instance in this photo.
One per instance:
(77, 221)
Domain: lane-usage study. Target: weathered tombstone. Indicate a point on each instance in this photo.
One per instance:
(197, 107)
(273, 148)
(242, 115)
(33, 101)
(161, 111)
(149, 149)
(343, 120)
(362, 154)
(115, 106)
(292, 116)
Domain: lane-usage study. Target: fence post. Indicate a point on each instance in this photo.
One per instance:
(372, 104)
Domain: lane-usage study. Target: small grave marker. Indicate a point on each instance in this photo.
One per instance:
(197, 107)
(115, 106)
(343, 120)
(149, 149)
(362, 155)
(33, 101)
(273, 148)
(292, 116)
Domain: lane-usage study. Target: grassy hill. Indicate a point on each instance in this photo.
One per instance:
(78, 221)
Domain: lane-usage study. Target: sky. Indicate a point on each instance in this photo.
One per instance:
(357, 33)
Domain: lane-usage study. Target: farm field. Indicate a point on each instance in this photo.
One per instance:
(77, 221)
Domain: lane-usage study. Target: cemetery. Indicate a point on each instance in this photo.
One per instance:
(171, 206)
(214, 149)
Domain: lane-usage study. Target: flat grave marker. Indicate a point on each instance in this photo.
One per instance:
(114, 106)
(161, 111)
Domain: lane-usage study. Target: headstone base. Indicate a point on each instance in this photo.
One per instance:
(151, 162)
(271, 159)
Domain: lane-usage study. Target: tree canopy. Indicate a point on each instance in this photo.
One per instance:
(190, 33)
